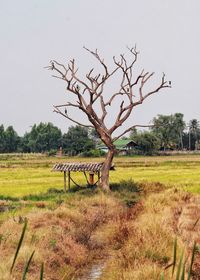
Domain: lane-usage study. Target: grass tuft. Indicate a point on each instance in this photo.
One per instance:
(26, 268)
(19, 245)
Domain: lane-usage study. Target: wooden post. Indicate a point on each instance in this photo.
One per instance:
(91, 178)
(59, 153)
(65, 185)
(69, 180)
(99, 178)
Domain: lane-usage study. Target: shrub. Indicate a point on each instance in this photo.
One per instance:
(93, 153)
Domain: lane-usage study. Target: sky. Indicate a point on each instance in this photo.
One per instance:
(36, 31)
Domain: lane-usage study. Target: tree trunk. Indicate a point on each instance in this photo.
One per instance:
(106, 169)
(181, 140)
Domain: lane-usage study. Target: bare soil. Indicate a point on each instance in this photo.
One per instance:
(188, 227)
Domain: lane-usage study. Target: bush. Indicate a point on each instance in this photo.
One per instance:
(128, 191)
(125, 185)
(93, 153)
(52, 152)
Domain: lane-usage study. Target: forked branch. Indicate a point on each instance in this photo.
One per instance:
(88, 91)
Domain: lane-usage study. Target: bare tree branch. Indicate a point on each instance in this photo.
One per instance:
(145, 78)
(96, 55)
(57, 110)
(88, 91)
(129, 129)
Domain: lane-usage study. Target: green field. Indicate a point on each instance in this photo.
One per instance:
(31, 174)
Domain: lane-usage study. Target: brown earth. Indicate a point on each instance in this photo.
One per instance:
(188, 227)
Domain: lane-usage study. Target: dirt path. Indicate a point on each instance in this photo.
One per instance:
(188, 227)
(94, 272)
(189, 221)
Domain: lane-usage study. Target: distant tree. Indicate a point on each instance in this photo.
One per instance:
(147, 142)
(178, 125)
(11, 140)
(193, 134)
(43, 137)
(2, 139)
(133, 133)
(77, 140)
(170, 130)
(92, 134)
(162, 128)
(91, 98)
(23, 145)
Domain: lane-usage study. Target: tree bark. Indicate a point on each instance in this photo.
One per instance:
(91, 91)
(106, 169)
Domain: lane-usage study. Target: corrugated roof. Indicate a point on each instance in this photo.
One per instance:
(80, 166)
(124, 142)
(120, 144)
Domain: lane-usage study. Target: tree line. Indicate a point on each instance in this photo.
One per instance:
(168, 132)
(46, 137)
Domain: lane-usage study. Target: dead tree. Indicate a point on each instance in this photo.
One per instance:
(90, 92)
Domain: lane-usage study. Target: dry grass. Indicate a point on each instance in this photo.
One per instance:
(134, 242)
(71, 231)
(148, 250)
(67, 238)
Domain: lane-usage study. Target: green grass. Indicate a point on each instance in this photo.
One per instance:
(31, 174)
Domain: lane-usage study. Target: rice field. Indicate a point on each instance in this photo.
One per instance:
(31, 174)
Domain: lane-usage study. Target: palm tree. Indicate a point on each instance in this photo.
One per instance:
(194, 131)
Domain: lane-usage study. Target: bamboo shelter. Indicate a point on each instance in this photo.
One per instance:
(90, 168)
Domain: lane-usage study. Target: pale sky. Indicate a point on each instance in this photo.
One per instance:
(35, 31)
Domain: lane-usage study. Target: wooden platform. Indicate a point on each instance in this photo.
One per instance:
(90, 167)
(78, 167)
